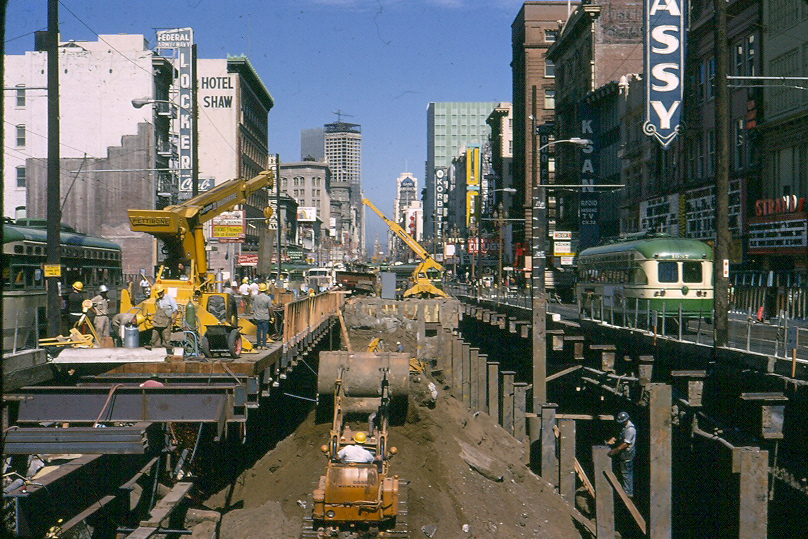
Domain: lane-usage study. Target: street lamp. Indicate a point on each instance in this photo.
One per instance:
(538, 266)
(540, 425)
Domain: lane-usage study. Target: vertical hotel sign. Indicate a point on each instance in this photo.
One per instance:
(181, 40)
(664, 62)
(472, 186)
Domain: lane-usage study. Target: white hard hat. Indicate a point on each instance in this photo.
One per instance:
(103, 288)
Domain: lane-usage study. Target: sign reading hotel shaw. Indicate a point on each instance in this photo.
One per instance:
(664, 64)
(181, 40)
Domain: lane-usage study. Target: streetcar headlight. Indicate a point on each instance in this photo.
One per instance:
(330, 514)
(685, 290)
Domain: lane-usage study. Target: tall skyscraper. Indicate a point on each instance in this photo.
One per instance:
(312, 144)
(343, 153)
(450, 127)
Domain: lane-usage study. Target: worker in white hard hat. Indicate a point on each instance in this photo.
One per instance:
(100, 309)
(399, 346)
(624, 450)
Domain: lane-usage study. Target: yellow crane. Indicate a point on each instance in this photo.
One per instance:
(184, 271)
(426, 274)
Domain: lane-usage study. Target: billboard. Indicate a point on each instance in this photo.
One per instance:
(472, 185)
(664, 59)
(181, 40)
(306, 214)
(228, 227)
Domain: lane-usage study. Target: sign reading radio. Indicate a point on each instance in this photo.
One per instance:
(664, 60)
(181, 40)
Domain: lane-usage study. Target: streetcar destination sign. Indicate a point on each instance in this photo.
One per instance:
(664, 63)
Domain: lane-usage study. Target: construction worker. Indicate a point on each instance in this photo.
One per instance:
(262, 308)
(73, 307)
(623, 447)
(101, 311)
(355, 452)
(244, 290)
(164, 309)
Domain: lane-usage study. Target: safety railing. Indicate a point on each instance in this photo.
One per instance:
(305, 314)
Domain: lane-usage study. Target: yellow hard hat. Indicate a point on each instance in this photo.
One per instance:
(158, 288)
(245, 280)
(78, 286)
(360, 437)
(262, 287)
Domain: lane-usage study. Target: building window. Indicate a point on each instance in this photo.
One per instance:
(20, 135)
(549, 99)
(20, 177)
(550, 35)
(711, 152)
(739, 148)
(20, 96)
(711, 78)
(549, 68)
(750, 55)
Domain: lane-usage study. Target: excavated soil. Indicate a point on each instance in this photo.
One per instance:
(467, 479)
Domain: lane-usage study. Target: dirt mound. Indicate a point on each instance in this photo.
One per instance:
(467, 478)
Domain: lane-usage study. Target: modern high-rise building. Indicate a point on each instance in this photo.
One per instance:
(343, 153)
(451, 126)
(312, 144)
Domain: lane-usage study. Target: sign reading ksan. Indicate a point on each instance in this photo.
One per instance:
(664, 62)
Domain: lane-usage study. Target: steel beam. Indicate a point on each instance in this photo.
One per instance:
(493, 390)
(754, 498)
(507, 401)
(474, 379)
(549, 464)
(82, 440)
(661, 456)
(604, 495)
(519, 410)
(128, 403)
(566, 453)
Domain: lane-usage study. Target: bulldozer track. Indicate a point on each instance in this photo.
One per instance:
(401, 529)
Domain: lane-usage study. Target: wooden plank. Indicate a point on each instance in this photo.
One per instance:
(626, 500)
(561, 373)
(584, 479)
(166, 505)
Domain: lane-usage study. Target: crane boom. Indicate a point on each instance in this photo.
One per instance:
(180, 225)
(400, 232)
(427, 272)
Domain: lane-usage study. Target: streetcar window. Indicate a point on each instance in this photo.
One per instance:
(18, 249)
(691, 272)
(668, 272)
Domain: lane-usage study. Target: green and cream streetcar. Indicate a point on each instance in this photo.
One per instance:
(644, 275)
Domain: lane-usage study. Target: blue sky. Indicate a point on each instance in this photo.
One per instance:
(381, 61)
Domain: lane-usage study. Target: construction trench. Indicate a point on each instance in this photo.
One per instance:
(720, 449)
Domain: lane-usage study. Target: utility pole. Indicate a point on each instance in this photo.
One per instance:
(723, 236)
(54, 189)
(278, 209)
(539, 263)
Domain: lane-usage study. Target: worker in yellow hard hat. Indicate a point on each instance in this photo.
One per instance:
(164, 310)
(356, 452)
(262, 312)
(73, 303)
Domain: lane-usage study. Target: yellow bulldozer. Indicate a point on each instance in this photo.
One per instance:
(359, 496)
